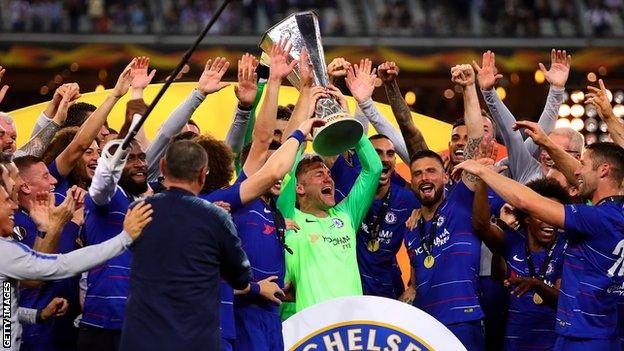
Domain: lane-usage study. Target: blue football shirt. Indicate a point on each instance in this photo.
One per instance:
(592, 265)
(107, 284)
(529, 325)
(449, 289)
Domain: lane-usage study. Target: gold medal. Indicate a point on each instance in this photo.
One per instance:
(537, 299)
(429, 261)
(373, 245)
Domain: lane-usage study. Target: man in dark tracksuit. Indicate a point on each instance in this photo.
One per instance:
(174, 281)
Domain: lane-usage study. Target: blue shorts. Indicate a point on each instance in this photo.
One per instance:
(470, 334)
(227, 344)
(258, 329)
(565, 343)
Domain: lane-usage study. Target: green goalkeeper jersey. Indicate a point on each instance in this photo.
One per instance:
(324, 264)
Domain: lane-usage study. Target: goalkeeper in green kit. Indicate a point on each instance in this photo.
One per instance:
(323, 264)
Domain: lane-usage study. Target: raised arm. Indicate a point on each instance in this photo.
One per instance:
(523, 166)
(68, 158)
(304, 110)
(45, 128)
(278, 164)
(517, 195)
(564, 162)
(246, 92)
(464, 76)
(265, 122)
(413, 138)
(209, 82)
(18, 261)
(361, 82)
(362, 193)
(600, 100)
(136, 104)
(490, 234)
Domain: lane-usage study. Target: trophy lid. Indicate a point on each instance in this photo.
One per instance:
(302, 29)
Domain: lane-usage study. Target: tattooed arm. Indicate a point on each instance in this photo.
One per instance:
(40, 141)
(414, 139)
(464, 75)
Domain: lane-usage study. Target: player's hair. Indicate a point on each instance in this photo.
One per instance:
(25, 162)
(184, 160)
(378, 136)
(577, 140)
(77, 114)
(187, 135)
(307, 162)
(611, 154)
(191, 122)
(61, 140)
(284, 112)
(220, 162)
(485, 113)
(426, 154)
(458, 123)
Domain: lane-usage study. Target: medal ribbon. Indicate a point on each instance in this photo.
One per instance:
(374, 227)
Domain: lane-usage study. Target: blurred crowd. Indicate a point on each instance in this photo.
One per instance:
(424, 18)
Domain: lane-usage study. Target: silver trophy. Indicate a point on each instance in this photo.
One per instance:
(340, 132)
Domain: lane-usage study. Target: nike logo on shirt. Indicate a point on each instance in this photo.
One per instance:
(310, 221)
(515, 258)
(266, 210)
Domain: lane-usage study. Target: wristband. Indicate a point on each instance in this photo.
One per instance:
(254, 288)
(245, 108)
(298, 135)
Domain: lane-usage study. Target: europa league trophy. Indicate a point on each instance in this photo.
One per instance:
(340, 132)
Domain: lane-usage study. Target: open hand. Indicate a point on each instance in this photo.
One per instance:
(600, 100)
(247, 80)
(533, 130)
(280, 53)
(559, 70)
(210, 80)
(361, 80)
(487, 75)
(137, 218)
(140, 78)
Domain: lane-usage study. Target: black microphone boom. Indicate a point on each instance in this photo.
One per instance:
(133, 131)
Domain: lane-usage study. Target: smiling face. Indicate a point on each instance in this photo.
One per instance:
(316, 187)
(89, 159)
(428, 180)
(387, 154)
(8, 134)
(587, 176)
(459, 139)
(541, 232)
(37, 179)
(7, 211)
(134, 176)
